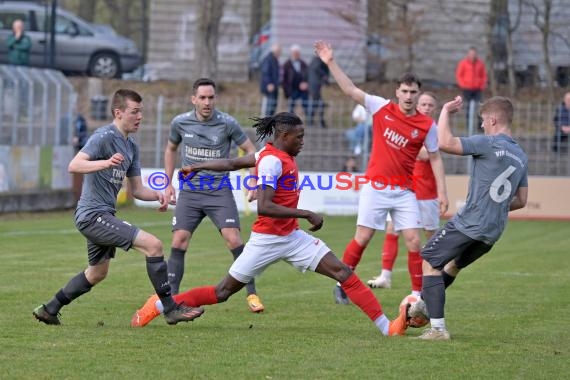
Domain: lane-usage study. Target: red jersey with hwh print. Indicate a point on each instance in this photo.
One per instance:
(286, 192)
(425, 186)
(397, 141)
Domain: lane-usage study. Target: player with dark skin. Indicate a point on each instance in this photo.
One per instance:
(275, 234)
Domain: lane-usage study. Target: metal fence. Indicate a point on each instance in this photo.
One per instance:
(327, 149)
(36, 106)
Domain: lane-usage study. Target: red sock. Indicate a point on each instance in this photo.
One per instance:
(362, 296)
(205, 295)
(415, 269)
(390, 251)
(352, 254)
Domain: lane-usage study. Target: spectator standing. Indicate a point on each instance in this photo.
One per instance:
(269, 84)
(19, 45)
(295, 77)
(471, 77)
(318, 76)
(80, 132)
(562, 125)
(359, 137)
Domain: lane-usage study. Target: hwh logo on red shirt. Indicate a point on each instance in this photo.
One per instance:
(395, 138)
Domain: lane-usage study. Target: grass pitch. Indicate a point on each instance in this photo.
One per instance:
(508, 313)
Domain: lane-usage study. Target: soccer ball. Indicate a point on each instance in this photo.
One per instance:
(417, 311)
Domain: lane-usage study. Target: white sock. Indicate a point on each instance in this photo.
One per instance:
(159, 306)
(416, 293)
(387, 274)
(383, 324)
(437, 323)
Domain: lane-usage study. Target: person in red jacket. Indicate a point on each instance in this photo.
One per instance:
(471, 77)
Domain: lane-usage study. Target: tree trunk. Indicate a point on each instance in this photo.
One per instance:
(490, 60)
(209, 15)
(87, 10)
(512, 27)
(546, 50)
(511, 65)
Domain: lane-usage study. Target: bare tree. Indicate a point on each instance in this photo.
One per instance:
(209, 16)
(512, 27)
(542, 16)
(396, 21)
(493, 42)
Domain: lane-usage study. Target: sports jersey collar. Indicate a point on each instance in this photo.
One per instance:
(271, 148)
(118, 133)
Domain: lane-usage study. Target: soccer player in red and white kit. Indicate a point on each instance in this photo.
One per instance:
(275, 234)
(425, 188)
(398, 133)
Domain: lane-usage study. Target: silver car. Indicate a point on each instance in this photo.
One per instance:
(80, 46)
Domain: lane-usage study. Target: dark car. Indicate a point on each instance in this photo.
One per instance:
(80, 46)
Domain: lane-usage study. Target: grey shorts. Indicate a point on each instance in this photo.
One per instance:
(193, 206)
(105, 232)
(450, 244)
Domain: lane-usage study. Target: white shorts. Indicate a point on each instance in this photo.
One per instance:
(299, 249)
(429, 214)
(375, 205)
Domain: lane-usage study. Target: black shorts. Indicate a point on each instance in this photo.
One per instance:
(193, 206)
(105, 232)
(450, 244)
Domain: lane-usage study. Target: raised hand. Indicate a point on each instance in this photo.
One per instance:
(454, 105)
(324, 50)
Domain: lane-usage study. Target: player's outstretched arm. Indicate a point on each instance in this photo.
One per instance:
(447, 142)
(81, 163)
(266, 207)
(325, 52)
(221, 165)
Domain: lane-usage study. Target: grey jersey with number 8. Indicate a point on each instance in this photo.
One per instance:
(498, 169)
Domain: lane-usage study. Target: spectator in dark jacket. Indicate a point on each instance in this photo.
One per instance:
(295, 77)
(269, 84)
(562, 125)
(80, 132)
(318, 76)
(19, 45)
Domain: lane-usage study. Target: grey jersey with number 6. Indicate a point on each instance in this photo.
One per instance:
(498, 169)
(205, 140)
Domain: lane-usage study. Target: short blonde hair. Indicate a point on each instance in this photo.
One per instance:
(499, 105)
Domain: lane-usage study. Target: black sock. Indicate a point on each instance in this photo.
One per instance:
(447, 279)
(175, 269)
(433, 293)
(158, 274)
(250, 286)
(74, 288)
